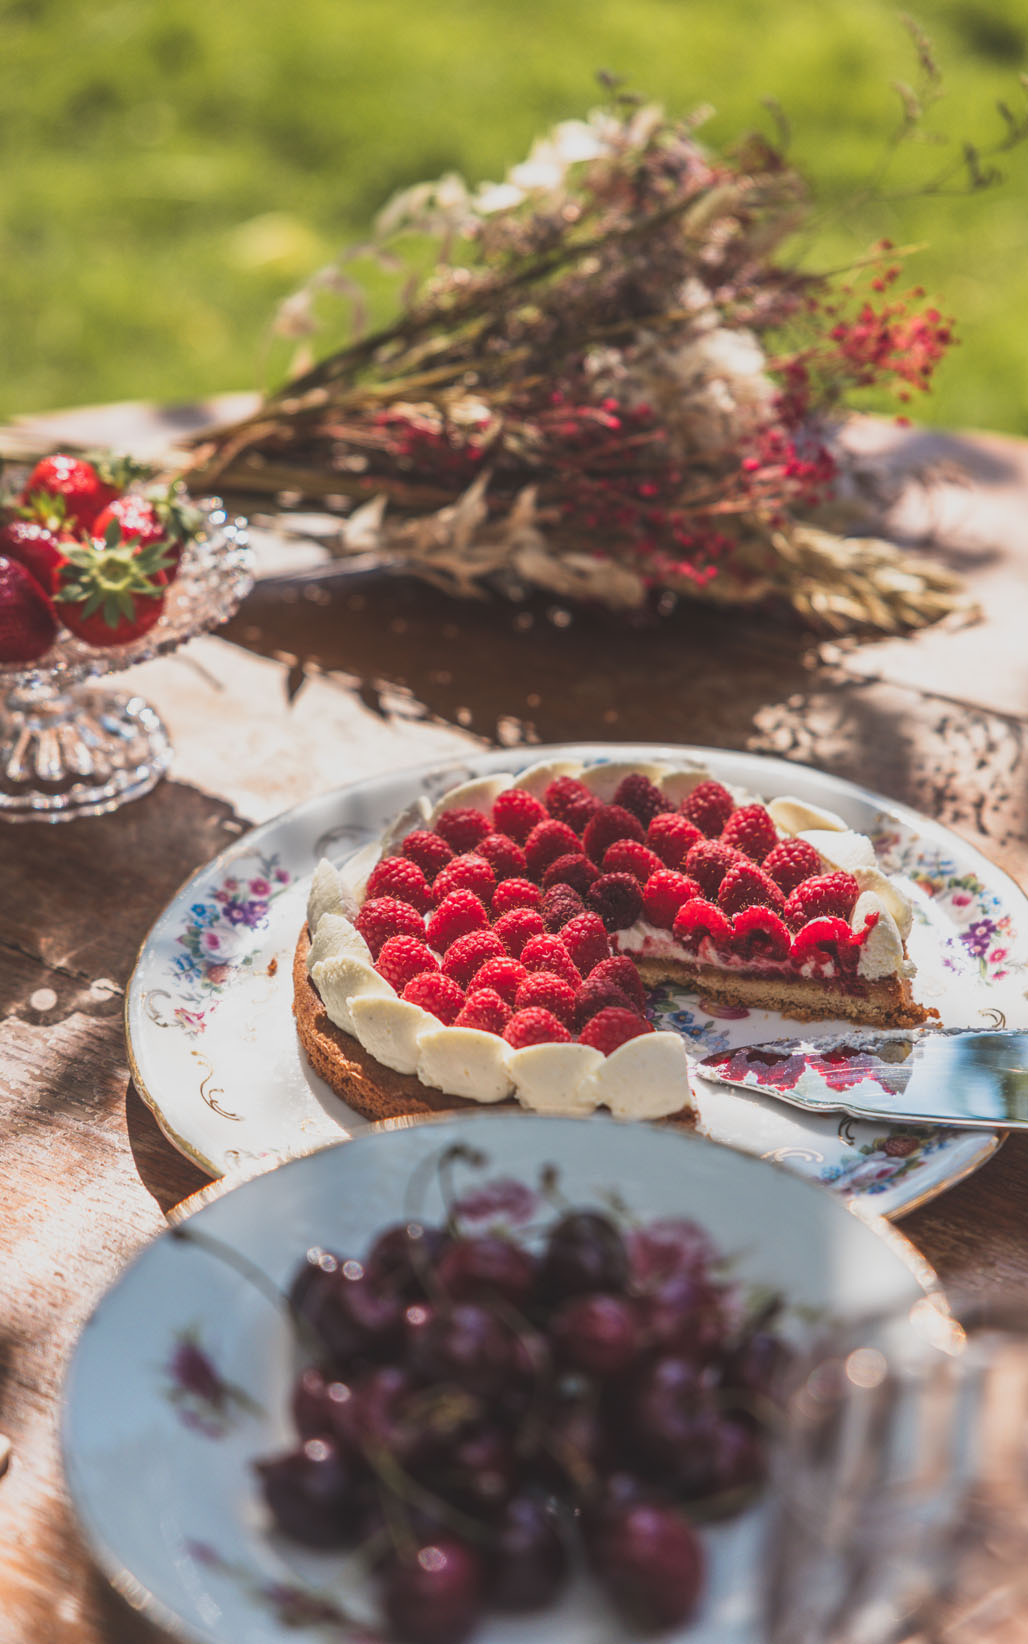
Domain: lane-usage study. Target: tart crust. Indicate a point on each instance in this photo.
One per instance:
(885, 1002)
(357, 1078)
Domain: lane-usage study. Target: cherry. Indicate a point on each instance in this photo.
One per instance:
(312, 1494)
(684, 1314)
(668, 1246)
(402, 1255)
(353, 1318)
(482, 1268)
(478, 1471)
(530, 1562)
(597, 1334)
(433, 1595)
(465, 1344)
(663, 1413)
(311, 1406)
(368, 1416)
(650, 1562)
(585, 1252)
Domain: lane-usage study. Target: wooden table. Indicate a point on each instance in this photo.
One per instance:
(318, 681)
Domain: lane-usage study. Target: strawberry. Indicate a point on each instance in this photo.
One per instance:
(87, 486)
(111, 591)
(160, 517)
(28, 625)
(39, 549)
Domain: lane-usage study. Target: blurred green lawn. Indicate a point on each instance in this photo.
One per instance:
(172, 168)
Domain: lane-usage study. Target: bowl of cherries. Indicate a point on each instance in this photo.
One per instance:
(499, 1378)
(101, 566)
(522, 1407)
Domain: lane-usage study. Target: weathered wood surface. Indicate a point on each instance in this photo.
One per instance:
(327, 680)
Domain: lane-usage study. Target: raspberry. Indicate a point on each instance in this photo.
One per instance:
(466, 956)
(515, 893)
(610, 822)
(751, 830)
(401, 958)
(698, 919)
(518, 927)
(544, 988)
(468, 872)
(559, 905)
(486, 1011)
(383, 917)
(612, 1027)
(831, 896)
(636, 793)
(462, 829)
(503, 976)
(398, 876)
(824, 942)
(663, 895)
(535, 1027)
(790, 863)
(585, 939)
(745, 886)
(708, 807)
(595, 995)
(437, 994)
(566, 794)
(707, 863)
(549, 953)
(582, 811)
(460, 913)
(516, 813)
(628, 856)
(547, 841)
(621, 971)
(429, 852)
(760, 934)
(506, 859)
(576, 871)
(617, 898)
(670, 835)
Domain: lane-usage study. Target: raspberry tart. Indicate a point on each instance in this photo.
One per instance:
(498, 945)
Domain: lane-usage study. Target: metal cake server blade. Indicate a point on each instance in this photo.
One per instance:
(975, 1080)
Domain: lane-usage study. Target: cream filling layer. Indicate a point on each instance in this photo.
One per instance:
(645, 1078)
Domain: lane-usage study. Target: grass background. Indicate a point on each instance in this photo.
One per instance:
(172, 168)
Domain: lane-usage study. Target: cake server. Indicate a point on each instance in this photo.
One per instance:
(966, 1078)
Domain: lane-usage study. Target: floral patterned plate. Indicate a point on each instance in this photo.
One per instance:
(182, 1377)
(214, 1052)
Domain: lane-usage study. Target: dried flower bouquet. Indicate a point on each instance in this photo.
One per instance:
(611, 385)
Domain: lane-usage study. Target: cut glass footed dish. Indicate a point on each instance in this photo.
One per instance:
(69, 746)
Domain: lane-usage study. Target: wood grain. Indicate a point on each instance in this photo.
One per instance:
(344, 678)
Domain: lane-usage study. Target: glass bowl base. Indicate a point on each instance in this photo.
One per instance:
(81, 752)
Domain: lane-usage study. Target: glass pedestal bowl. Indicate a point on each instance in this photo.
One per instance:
(70, 747)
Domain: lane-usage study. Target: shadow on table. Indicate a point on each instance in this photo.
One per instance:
(537, 671)
(163, 1171)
